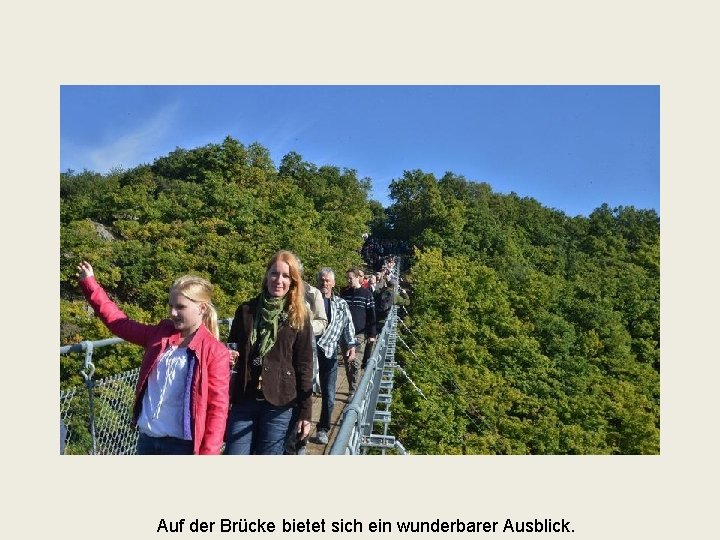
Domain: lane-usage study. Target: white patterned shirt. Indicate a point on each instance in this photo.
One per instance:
(340, 326)
(161, 414)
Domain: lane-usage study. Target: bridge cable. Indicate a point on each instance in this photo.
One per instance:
(472, 408)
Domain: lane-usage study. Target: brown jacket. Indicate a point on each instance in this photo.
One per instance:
(287, 369)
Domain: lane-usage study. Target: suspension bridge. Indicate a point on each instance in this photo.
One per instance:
(359, 426)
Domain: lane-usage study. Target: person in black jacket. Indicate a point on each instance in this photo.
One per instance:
(274, 365)
(391, 294)
(362, 308)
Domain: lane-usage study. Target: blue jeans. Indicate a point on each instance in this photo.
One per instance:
(328, 378)
(256, 427)
(169, 446)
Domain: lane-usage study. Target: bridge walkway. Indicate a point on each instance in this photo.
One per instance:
(341, 399)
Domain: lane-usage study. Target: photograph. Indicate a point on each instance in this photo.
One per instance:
(444, 270)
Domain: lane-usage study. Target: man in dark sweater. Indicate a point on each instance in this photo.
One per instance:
(362, 308)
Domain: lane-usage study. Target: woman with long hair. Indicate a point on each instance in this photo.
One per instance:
(274, 368)
(181, 396)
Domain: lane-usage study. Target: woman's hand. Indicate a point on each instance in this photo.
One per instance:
(303, 428)
(85, 270)
(234, 354)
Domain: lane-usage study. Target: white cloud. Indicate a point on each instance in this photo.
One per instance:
(138, 146)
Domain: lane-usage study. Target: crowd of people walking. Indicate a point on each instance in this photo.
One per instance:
(252, 394)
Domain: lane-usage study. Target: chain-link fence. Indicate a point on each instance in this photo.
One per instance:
(98, 417)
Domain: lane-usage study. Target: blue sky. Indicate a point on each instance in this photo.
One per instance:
(570, 147)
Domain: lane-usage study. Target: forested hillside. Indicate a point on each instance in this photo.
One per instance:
(531, 331)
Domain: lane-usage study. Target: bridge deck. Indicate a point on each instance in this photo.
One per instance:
(341, 399)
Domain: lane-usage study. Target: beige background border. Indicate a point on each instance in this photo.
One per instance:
(523, 42)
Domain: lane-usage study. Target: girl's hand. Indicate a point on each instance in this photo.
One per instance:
(85, 270)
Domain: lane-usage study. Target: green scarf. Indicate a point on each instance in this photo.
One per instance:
(267, 321)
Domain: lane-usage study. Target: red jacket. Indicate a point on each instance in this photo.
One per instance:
(211, 377)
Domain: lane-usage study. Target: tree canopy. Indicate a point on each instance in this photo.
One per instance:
(530, 331)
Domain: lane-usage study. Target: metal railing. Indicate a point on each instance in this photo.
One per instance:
(365, 420)
(100, 425)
